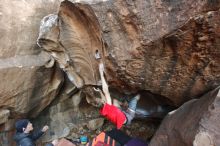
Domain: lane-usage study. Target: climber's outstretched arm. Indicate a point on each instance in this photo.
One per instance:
(104, 85)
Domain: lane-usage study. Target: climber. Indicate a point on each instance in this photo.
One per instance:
(24, 135)
(113, 111)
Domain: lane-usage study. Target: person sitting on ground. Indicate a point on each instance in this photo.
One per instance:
(24, 135)
(112, 111)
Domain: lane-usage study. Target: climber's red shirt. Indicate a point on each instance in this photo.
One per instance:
(113, 114)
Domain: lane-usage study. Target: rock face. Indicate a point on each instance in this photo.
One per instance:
(65, 121)
(4, 114)
(27, 85)
(158, 46)
(194, 123)
(170, 48)
(167, 52)
(72, 43)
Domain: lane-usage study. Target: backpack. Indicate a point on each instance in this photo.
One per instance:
(103, 140)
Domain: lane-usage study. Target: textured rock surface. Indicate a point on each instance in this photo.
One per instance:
(4, 114)
(95, 123)
(168, 52)
(72, 43)
(194, 123)
(65, 122)
(26, 83)
(27, 86)
(155, 45)
(170, 48)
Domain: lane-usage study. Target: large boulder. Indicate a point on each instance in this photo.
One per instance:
(28, 84)
(195, 123)
(168, 48)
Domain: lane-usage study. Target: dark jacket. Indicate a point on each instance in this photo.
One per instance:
(26, 139)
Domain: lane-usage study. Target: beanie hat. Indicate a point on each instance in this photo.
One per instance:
(20, 124)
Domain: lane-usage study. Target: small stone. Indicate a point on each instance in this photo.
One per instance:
(75, 135)
(95, 123)
(66, 131)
